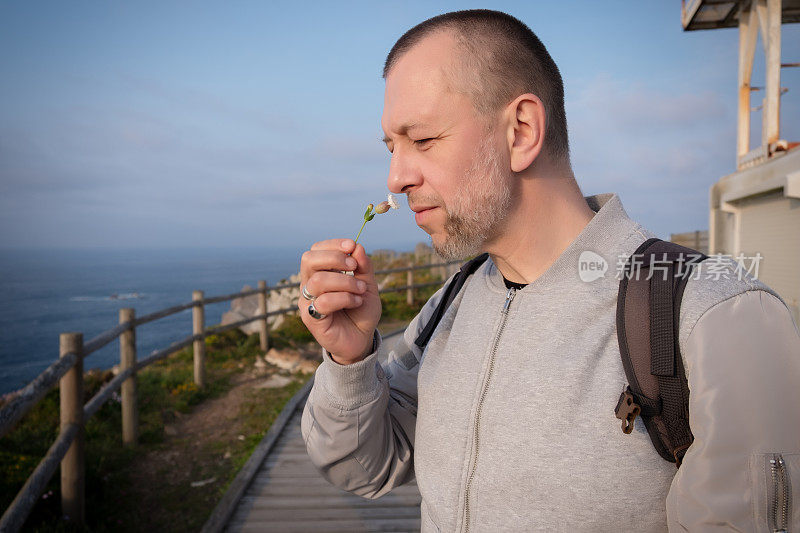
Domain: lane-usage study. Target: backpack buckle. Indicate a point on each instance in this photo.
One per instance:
(679, 452)
(627, 410)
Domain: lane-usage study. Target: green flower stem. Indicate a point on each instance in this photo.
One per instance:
(368, 215)
(359, 231)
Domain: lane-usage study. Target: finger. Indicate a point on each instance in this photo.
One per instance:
(318, 260)
(364, 264)
(344, 245)
(307, 319)
(330, 302)
(320, 283)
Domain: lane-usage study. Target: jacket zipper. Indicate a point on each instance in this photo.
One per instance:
(509, 296)
(781, 501)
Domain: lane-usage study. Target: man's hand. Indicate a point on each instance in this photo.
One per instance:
(351, 303)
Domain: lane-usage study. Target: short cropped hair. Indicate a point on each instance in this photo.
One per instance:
(500, 59)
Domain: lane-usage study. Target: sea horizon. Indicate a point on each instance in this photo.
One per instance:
(47, 291)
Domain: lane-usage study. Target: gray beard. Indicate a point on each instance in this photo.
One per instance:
(478, 213)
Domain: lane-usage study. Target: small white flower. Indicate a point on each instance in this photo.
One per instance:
(372, 210)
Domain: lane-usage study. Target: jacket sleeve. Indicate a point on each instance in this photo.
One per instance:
(743, 367)
(359, 420)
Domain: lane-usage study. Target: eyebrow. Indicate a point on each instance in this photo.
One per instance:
(404, 129)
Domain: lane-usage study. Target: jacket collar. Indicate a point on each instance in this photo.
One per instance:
(607, 234)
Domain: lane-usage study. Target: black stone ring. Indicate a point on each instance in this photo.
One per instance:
(314, 313)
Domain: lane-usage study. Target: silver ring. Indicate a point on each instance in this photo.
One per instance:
(307, 295)
(314, 313)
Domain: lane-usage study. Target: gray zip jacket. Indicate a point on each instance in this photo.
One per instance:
(507, 417)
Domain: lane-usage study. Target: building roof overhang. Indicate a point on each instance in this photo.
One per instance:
(715, 14)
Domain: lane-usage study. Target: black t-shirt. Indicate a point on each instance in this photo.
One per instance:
(511, 284)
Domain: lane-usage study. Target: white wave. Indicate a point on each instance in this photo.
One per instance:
(115, 296)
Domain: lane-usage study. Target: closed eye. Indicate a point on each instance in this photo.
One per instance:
(421, 142)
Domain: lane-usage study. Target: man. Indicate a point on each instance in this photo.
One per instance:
(506, 417)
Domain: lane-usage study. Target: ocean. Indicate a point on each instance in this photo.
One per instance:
(46, 292)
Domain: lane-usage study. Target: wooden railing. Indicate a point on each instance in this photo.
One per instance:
(68, 449)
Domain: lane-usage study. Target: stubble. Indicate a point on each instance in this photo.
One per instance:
(479, 210)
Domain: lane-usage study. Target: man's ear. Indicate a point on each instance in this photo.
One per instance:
(525, 119)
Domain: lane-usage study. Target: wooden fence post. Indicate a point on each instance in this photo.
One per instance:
(71, 399)
(127, 359)
(409, 283)
(198, 326)
(263, 330)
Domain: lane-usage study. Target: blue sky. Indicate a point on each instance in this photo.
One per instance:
(167, 124)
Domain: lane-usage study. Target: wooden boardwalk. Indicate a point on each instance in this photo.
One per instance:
(287, 493)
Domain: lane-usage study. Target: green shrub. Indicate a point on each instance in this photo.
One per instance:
(291, 333)
(164, 389)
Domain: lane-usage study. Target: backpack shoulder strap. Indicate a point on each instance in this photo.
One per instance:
(648, 313)
(449, 294)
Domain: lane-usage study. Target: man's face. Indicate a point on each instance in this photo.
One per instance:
(443, 156)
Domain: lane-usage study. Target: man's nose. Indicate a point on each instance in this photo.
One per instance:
(404, 175)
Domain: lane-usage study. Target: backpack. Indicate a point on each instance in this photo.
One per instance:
(648, 312)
